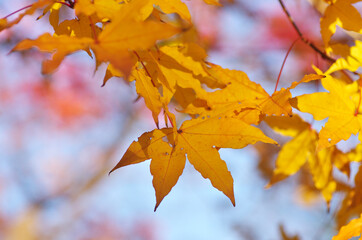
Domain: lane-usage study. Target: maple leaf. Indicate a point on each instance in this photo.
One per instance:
(340, 106)
(174, 6)
(190, 56)
(61, 45)
(4, 24)
(178, 71)
(240, 89)
(107, 9)
(295, 153)
(340, 13)
(168, 72)
(53, 10)
(146, 88)
(111, 71)
(79, 27)
(351, 57)
(120, 36)
(104, 9)
(352, 229)
(200, 139)
(302, 149)
(353, 200)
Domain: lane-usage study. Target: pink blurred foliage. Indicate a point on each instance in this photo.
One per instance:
(271, 30)
(67, 97)
(104, 228)
(205, 18)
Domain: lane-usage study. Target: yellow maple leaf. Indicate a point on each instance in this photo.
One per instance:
(177, 70)
(104, 9)
(123, 34)
(339, 106)
(150, 93)
(141, 9)
(343, 14)
(240, 89)
(295, 153)
(200, 139)
(301, 150)
(352, 229)
(351, 57)
(189, 55)
(111, 71)
(120, 36)
(174, 6)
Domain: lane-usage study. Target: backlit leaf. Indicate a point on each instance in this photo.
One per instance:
(343, 14)
(352, 229)
(339, 106)
(200, 139)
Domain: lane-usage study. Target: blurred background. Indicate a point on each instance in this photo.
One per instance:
(61, 134)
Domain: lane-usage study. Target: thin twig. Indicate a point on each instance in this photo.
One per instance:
(286, 56)
(306, 41)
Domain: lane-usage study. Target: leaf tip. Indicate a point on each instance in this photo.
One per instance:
(158, 202)
(294, 102)
(232, 199)
(112, 170)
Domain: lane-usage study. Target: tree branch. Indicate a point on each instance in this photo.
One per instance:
(306, 41)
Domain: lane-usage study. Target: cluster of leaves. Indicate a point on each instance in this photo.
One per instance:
(154, 43)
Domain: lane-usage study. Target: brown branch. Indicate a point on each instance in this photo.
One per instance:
(306, 41)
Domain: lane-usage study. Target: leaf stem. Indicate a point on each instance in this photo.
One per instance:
(170, 120)
(286, 56)
(66, 4)
(30, 5)
(359, 101)
(93, 30)
(139, 59)
(306, 41)
(21, 9)
(71, 3)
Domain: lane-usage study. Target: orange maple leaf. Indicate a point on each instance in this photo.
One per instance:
(352, 229)
(112, 45)
(200, 139)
